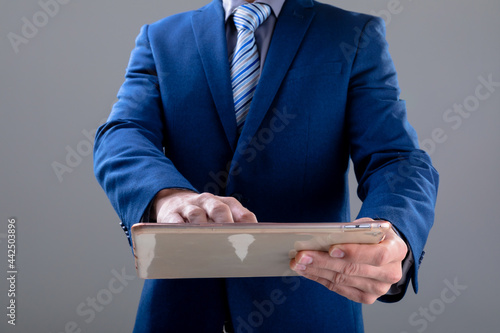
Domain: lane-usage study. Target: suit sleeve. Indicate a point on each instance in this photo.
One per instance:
(396, 180)
(129, 162)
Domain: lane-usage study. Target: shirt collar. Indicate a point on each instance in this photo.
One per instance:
(231, 5)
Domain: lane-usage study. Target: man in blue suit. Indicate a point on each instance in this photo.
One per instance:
(174, 150)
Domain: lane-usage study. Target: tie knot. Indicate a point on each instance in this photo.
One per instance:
(250, 16)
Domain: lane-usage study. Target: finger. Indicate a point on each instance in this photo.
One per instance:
(392, 249)
(365, 284)
(321, 264)
(170, 218)
(352, 293)
(217, 211)
(360, 289)
(355, 287)
(239, 213)
(194, 214)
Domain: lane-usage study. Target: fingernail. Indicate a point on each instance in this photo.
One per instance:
(299, 267)
(337, 253)
(306, 260)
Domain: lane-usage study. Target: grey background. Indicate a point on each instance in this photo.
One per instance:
(65, 79)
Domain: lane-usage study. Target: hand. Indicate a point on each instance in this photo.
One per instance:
(183, 206)
(360, 272)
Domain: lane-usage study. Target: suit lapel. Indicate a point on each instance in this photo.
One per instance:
(291, 27)
(210, 33)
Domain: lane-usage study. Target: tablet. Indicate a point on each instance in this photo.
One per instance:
(172, 251)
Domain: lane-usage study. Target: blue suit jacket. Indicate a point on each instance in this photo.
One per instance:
(328, 92)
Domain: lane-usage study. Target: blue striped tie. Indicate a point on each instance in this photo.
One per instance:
(245, 61)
